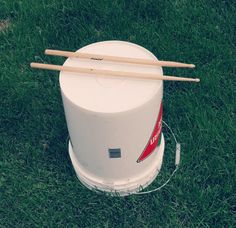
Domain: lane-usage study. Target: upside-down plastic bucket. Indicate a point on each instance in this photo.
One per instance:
(115, 124)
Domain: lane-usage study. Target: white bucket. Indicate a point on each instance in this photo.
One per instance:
(116, 144)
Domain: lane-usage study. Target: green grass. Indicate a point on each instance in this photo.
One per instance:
(38, 186)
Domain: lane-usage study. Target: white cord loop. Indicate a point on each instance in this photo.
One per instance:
(177, 161)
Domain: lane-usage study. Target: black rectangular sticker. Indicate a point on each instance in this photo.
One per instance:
(114, 153)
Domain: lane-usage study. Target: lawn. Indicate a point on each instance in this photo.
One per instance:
(38, 186)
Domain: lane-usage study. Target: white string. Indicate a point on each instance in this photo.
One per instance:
(176, 165)
(170, 131)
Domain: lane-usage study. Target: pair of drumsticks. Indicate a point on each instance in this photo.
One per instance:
(96, 57)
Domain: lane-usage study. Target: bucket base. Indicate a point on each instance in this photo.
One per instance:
(119, 188)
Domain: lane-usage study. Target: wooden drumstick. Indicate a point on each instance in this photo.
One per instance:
(117, 59)
(111, 73)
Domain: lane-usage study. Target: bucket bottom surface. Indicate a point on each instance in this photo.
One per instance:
(117, 188)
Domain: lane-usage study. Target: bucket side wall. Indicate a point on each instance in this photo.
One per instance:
(93, 134)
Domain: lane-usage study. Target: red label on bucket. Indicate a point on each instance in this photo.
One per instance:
(154, 139)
